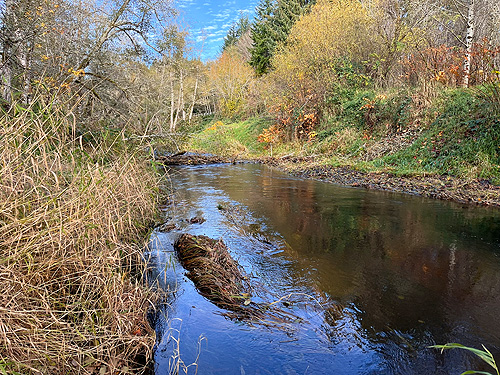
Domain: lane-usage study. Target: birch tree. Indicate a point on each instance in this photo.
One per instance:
(21, 23)
(469, 38)
(465, 22)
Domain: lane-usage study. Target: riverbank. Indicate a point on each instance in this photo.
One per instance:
(75, 214)
(445, 145)
(469, 191)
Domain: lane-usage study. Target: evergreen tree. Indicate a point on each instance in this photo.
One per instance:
(262, 36)
(274, 20)
(236, 31)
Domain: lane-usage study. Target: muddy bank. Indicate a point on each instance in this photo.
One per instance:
(473, 191)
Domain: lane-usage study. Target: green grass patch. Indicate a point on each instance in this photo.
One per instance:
(229, 139)
(462, 141)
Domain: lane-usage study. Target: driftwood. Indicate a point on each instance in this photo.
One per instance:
(184, 158)
(220, 279)
(214, 272)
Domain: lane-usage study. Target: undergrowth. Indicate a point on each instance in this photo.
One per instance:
(74, 212)
(425, 130)
(463, 140)
(224, 138)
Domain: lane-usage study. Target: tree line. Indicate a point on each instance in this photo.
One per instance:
(131, 63)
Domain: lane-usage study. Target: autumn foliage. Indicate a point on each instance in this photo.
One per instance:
(321, 54)
(445, 65)
(230, 80)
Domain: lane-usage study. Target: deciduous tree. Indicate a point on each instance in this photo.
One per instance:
(230, 78)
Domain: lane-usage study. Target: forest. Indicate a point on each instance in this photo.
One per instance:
(92, 90)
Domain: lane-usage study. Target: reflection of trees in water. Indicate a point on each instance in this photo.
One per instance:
(418, 272)
(405, 264)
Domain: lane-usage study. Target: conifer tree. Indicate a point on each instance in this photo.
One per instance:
(263, 42)
(274, 20)
(235, 32)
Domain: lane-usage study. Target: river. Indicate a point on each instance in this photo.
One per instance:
(374, 278)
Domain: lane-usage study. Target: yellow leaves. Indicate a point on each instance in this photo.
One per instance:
(439, 76)
(76, 73)
(331, 30)
(216, 125)
(312, 136)
(230, 77)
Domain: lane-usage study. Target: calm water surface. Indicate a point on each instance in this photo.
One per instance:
(375, 277)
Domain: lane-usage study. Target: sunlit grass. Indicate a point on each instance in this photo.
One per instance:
(485, 355)
(73, 218)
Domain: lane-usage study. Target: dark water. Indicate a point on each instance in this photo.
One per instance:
(376, 277)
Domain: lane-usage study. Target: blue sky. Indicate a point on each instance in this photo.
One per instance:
(209, 20)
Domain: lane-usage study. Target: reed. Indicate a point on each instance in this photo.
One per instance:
(73, 217)
(485, 355)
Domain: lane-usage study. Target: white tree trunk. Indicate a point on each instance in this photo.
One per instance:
(194, 99)
(180, 100)
(172, 100)
(468, 42)
(10, 36)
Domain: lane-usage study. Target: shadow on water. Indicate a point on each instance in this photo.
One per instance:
(375, 277)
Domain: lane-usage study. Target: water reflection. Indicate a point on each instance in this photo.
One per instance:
(388, 275)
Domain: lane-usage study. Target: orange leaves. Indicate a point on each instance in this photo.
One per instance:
(216, 125)
(270, 135)
(370, 103)
(446, 64)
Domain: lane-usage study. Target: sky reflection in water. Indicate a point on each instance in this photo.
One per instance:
(393, 273)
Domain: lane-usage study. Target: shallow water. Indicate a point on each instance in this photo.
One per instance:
(375, 277)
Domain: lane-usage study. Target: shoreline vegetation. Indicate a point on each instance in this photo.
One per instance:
(448, 149)
(75, 211)
(467, 191)
(378, 94)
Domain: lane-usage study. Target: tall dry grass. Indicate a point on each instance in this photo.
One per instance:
(73, 218)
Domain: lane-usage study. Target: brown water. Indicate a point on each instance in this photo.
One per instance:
(393, 273)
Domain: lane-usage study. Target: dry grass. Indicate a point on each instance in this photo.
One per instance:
(72, 222)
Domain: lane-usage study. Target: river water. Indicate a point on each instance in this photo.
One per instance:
(374, 278)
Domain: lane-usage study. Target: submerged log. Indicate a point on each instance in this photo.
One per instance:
(214, 272)
(219, 278)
